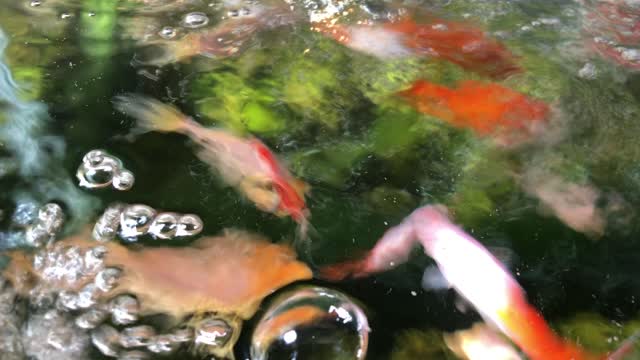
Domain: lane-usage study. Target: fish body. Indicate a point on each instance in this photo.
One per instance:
(246, 164)
(489, 109)
(474, 273)
(456, 42)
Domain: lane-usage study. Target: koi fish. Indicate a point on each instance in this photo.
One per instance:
(459, 43)
(246, 164)
(475, 274)
(487, 109)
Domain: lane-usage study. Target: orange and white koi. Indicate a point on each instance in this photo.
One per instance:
(459, 43)
(475, 274)
(246, 164)
(488, 109)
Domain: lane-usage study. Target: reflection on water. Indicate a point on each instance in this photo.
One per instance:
(519, 116)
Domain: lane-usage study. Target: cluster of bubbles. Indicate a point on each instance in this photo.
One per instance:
(73, 319)
(99, 170)
(40, 224)
(132, 221)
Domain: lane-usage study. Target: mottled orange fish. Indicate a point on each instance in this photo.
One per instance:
(245, 163)
(486, 108)
(459, 43)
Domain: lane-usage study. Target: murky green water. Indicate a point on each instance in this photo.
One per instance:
(329, 111)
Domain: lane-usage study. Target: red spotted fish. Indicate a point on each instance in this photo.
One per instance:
(244, 163)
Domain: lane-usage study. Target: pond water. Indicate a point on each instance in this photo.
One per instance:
(323, 84)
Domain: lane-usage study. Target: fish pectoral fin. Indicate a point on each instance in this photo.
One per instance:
(258, 190)
(432, 279)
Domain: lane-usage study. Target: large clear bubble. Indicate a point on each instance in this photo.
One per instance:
(310, 322)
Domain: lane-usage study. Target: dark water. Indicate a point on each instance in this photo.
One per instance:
(369, 159)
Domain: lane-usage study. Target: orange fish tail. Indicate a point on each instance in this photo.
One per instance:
(342, 271)
(151, 114)
(527, 328)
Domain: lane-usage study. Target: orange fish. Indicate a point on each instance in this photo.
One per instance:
(459, 43)
(246, 164)
(487, 109)
(479, 277)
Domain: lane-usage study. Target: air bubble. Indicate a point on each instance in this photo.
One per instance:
(195, 20)
(136, 336)
(135, 221)
(65, 16)
(37, 236)
(182, 335)
(35, 3)
(91, 319)
(123, 180)
(25, 214)
(87, 296)
(99, 170)
(167, 32)
(213, 332)
(308, 320)
(164, 226)
(162, 344)
(106, 339)
(67, 300)
(233, 13)
(51, 217)
(107, 279)
(189, 225)
(125, 309)
(106, 227)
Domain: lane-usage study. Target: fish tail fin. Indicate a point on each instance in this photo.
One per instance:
(625, 349)
(350, 269)
(160, 53)
(151, 114)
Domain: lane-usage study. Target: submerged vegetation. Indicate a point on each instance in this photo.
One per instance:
(335, 117)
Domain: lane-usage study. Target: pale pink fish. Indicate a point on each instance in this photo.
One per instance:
(244, 163)
(475, 274)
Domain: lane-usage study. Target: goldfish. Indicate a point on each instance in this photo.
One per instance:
(489, 109)
(244, 163)
(474, 273)
(459, 43)
(226, 39)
